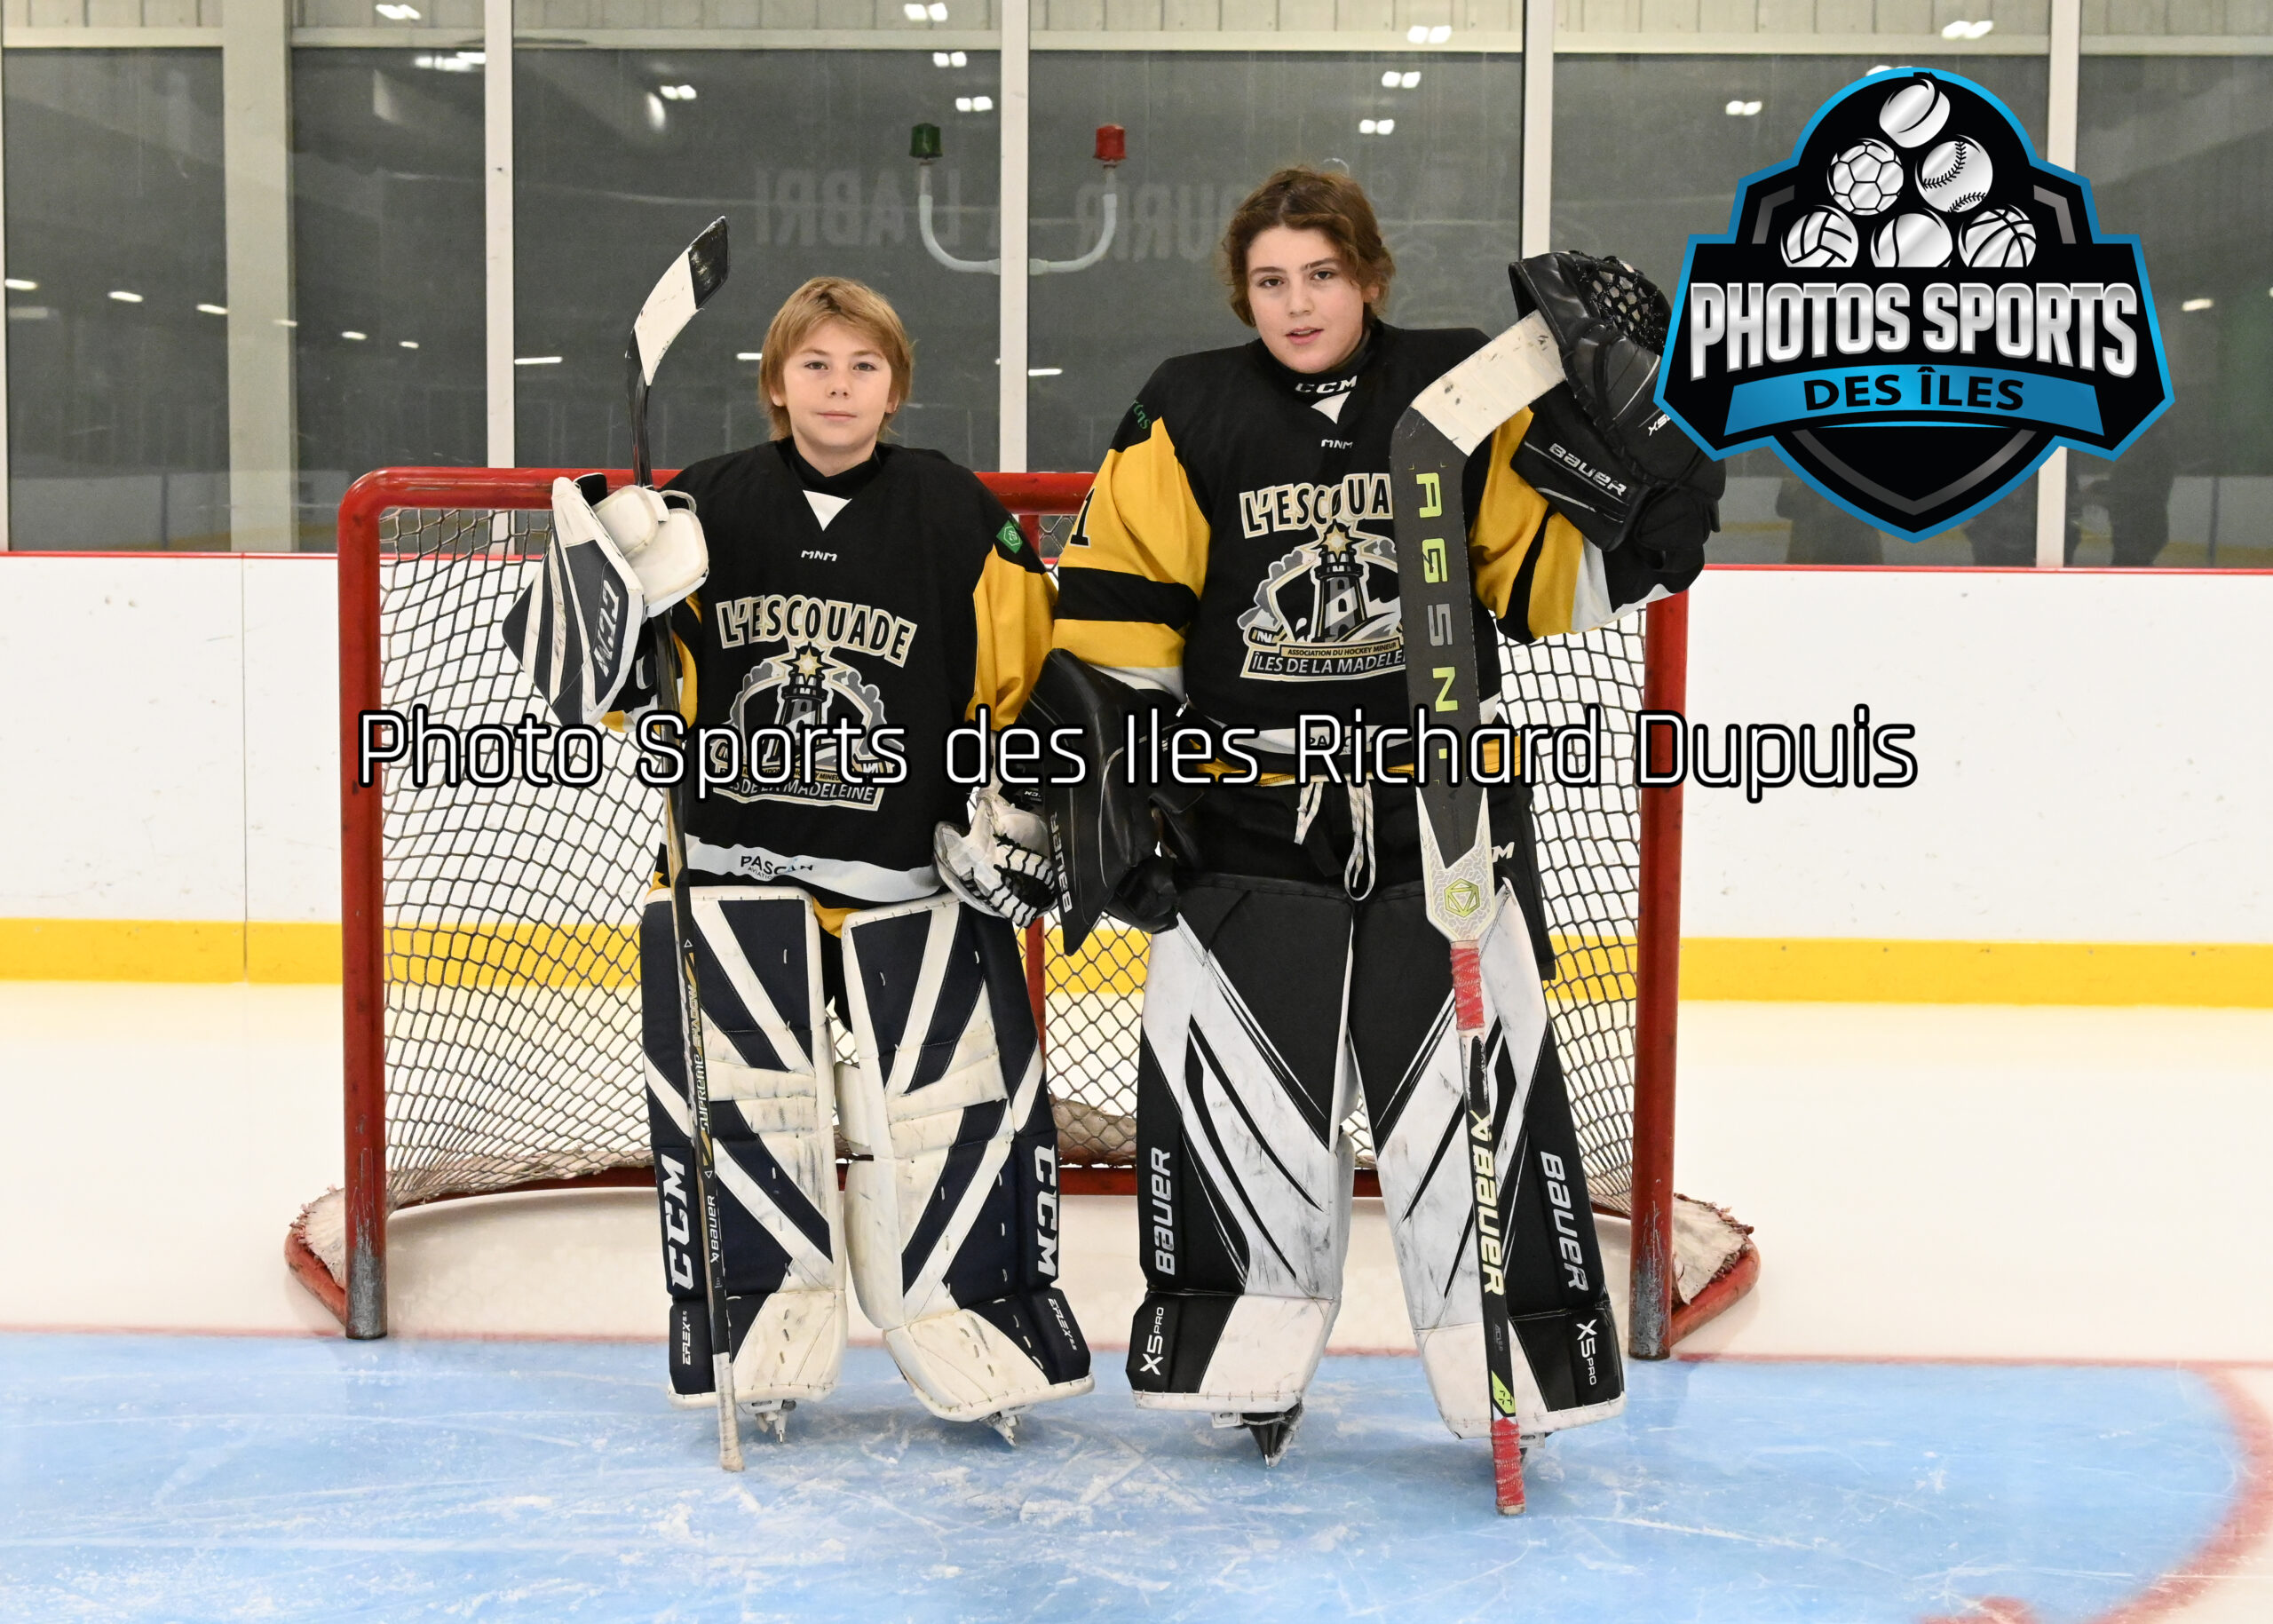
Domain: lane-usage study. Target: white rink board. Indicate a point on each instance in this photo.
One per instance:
(2086, 764)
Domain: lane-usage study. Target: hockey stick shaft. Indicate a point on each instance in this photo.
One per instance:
(683, 289)
(711, 1238)
(1451, 417)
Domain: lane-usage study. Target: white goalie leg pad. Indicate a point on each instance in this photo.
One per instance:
(953, 1202)
(1421, 1154)
(1244, 1080)
(772, 1077)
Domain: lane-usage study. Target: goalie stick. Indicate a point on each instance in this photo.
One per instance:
(1451, 417)
(684, 288)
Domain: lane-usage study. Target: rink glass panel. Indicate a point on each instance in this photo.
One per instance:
(387, 243)
(118, 416)
(1204, 129)
(805, 154)
(2180, 152)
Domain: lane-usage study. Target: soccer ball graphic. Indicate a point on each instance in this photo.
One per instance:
(1821, 236)
(1866, 178)
(1998, 239)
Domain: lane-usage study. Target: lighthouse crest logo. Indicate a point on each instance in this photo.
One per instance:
(1914, 311)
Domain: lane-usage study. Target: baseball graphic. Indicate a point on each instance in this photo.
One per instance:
(1821, 236)
(1914, 238)
(1956, 176)
(1914, 114)
(1866, 178)
(1997, 239)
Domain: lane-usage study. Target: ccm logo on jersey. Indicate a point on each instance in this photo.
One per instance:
(1567, 1221)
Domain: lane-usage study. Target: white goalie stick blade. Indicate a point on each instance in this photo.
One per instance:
(1447, 422)
(698, 272)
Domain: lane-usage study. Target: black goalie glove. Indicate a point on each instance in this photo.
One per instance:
(1599, 447)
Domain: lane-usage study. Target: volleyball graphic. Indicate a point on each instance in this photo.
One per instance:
(1998, 239)
(1956, 176)
(1866, 178)
(1822, 236)
(1914, 238)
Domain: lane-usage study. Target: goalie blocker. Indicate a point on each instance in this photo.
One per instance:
(949, 1221)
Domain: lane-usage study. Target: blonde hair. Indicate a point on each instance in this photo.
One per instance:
(1305, 199)
(825, 300)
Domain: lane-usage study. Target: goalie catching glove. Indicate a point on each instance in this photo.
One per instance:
(1599, 447)
(1002, 864)
(575, 627)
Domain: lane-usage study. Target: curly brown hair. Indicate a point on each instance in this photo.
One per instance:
(1306, 199)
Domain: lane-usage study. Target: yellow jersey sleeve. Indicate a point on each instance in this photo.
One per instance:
(1534, 572)
(1013, 604)
(1128, 581)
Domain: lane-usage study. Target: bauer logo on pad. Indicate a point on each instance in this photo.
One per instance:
(1914, 311)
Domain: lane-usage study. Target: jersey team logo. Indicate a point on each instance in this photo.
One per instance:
(789, 708)
(1914, 311)
(1328, 610)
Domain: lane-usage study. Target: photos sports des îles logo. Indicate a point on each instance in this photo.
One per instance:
(1914, 311)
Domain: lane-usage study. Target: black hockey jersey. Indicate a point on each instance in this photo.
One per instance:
(918, 602)
(1236, 548)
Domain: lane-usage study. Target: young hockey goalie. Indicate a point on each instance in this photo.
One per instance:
(861, 600)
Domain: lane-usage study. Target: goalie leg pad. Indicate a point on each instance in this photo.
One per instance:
(1244, 1174)
(767, 1060)
(1558, 1298)
(953, 1193)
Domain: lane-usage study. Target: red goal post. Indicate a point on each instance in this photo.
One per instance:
(476, 1001)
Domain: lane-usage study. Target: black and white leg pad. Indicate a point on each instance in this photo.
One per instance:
(952, 1199)
(1244, 1173)
(770, 1068)
(1403, 1034)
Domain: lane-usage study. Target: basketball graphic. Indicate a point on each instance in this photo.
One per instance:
(1914, 114)
(1956, 176)
(1822, 236)
(1914, 238)
(1998, 239)
(1866, 178)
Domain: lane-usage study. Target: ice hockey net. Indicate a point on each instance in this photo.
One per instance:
(489, 953)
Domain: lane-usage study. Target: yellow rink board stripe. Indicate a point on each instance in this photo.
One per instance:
(2228, 975)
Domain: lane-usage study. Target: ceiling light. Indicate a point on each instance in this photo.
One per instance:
(124, 297)
(407, 344)
(655, 115)
(912, 10)
(286, 322)
(397, 13)
(1439, 35)
(957, 59)
(962, 103)
(1045, 371)
(536, 361)
(1418, 33)
(749, 355)
(352, 337)
(936, 11)
(213, 310)
(1742, 109)
(939, 59)
(1963, 29)
(1388, 80)
(1365, 126)
(17, 284)
(1410, 81)
(1883, 67)
(677, 92)
(2199, 305)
